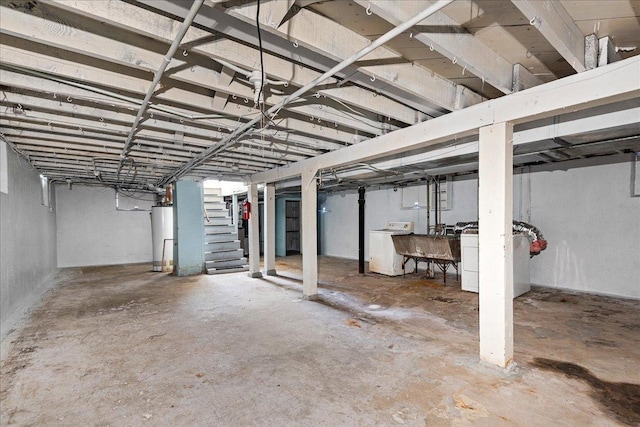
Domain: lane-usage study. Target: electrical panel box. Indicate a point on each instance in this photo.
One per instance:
(444, 196)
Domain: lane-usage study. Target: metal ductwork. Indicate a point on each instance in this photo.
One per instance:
(537, 241)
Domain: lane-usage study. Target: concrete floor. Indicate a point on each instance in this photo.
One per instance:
(125, 346)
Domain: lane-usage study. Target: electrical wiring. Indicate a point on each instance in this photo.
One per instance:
(18, 151)
(338, 113)
(133, 168)
(262, 76)
(131, 194)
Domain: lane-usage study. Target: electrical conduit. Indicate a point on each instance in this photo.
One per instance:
(158, 75)
(204, 156)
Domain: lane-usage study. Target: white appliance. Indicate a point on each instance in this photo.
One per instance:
(162, 237)
(383, 258)
(469, 253)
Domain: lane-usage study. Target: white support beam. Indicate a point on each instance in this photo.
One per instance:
(254, 233)
(601, 86)
(309, 233)
(234, 207)
(461, 46)
(557, 26)
(495, 243)
(269, 229)
(600, 119)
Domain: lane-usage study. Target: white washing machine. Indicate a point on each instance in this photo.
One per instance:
(383, 258)
(469, 252)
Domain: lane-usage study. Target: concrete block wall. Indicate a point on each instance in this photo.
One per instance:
(27, 243)
(592, 223)
(91, 231)
(584, 210)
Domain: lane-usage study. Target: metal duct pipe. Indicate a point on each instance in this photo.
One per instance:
(202, 157)
(536, 240)
(538, 243)
(158, 75)
(462, 226)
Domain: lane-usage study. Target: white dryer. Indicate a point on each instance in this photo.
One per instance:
(383, 258)
(470, 259)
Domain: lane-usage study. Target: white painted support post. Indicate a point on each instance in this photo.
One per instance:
(269, 228)
(254, 233)
(309, 234)
(495, 240)
(234, 206)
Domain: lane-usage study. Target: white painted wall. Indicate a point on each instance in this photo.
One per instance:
(227, 188)
(585, 212)
(593, 227)
(339, 224)
(92, 232)
(27, 243)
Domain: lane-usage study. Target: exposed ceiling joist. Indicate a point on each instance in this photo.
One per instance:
(323, 50)
(83, 42)
(60, 110)
(455, 43)
(557, 26)
(220, 98)
(624, 115)
(73, 75)
(615, 83)
(92, 75)
(208, 44)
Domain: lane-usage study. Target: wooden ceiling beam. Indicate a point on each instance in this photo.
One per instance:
(210, 44)
(557, 26)
(457, 45)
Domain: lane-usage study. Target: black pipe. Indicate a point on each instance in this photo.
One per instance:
(361, 230)
(437, 201)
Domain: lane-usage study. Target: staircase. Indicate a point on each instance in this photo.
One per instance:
(222, 253)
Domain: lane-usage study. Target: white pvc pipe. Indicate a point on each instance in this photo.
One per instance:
(203, 156)
(158, 75)
(111, 94)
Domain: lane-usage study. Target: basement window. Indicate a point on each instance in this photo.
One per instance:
(4, 173)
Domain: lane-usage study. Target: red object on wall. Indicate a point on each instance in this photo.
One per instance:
(537, 246)
(246, 210)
